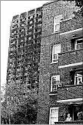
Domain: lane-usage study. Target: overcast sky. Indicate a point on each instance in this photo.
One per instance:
(8, 10)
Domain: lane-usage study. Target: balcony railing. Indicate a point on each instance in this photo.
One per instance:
(70, 92)
(71, 57)
(69, 123)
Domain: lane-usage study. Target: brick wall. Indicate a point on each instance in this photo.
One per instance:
(71, 92)
(60, 8)
(47, 69)
(71, 57)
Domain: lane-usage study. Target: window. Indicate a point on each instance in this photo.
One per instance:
(75, 111)
(78, 78)
(29, 38)
(31, 22)
(53, 115)
(55, 82)
(39, 19)
(77, 44)
(56, 49)
(31, 16)
(57, 21)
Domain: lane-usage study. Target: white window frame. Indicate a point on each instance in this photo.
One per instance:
(56, 54)
(76, 43)
(57, 20)
(50, 120)
(55, 76)
(76, 77)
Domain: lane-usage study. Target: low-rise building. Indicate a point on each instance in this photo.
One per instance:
(61, 64)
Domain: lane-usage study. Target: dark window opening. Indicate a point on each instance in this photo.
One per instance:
(76, 111)
(76, 77)
(77, 44)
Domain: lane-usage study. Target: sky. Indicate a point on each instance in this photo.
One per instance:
(8, 10)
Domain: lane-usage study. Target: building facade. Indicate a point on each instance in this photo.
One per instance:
(46, 56)
(23, 57)
(61, 64)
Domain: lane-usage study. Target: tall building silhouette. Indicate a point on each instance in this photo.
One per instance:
(23, 57)
(46, 57)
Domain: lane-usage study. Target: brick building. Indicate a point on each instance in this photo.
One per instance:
(61, 64)
(45, 56)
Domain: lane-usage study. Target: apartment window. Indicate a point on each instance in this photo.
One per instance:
(31, 22)
(30, 27)
(77, 44)
(29, 38)
(39, 19)
(53, 115)
(57, 20)
(78, 78)
(56, 49)
(31, 16)
(55, 82)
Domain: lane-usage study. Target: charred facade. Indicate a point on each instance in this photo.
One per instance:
(23, 56)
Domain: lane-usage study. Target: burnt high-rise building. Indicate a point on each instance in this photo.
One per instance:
(24, 48)
(23, 57)
(46, 57)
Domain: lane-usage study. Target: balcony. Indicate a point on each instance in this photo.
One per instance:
(71, 57)
(69, 123)
(70, 92)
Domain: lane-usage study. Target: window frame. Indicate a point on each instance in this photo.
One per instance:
(51, 89)
(76, 43)
(53, 47)
(76, 77)
(55, 108)
(57, 20)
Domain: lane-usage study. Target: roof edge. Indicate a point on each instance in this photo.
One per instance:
(51, 1)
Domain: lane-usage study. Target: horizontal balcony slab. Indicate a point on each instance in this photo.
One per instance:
(70, 94)
(69, 123)
(70, 58)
